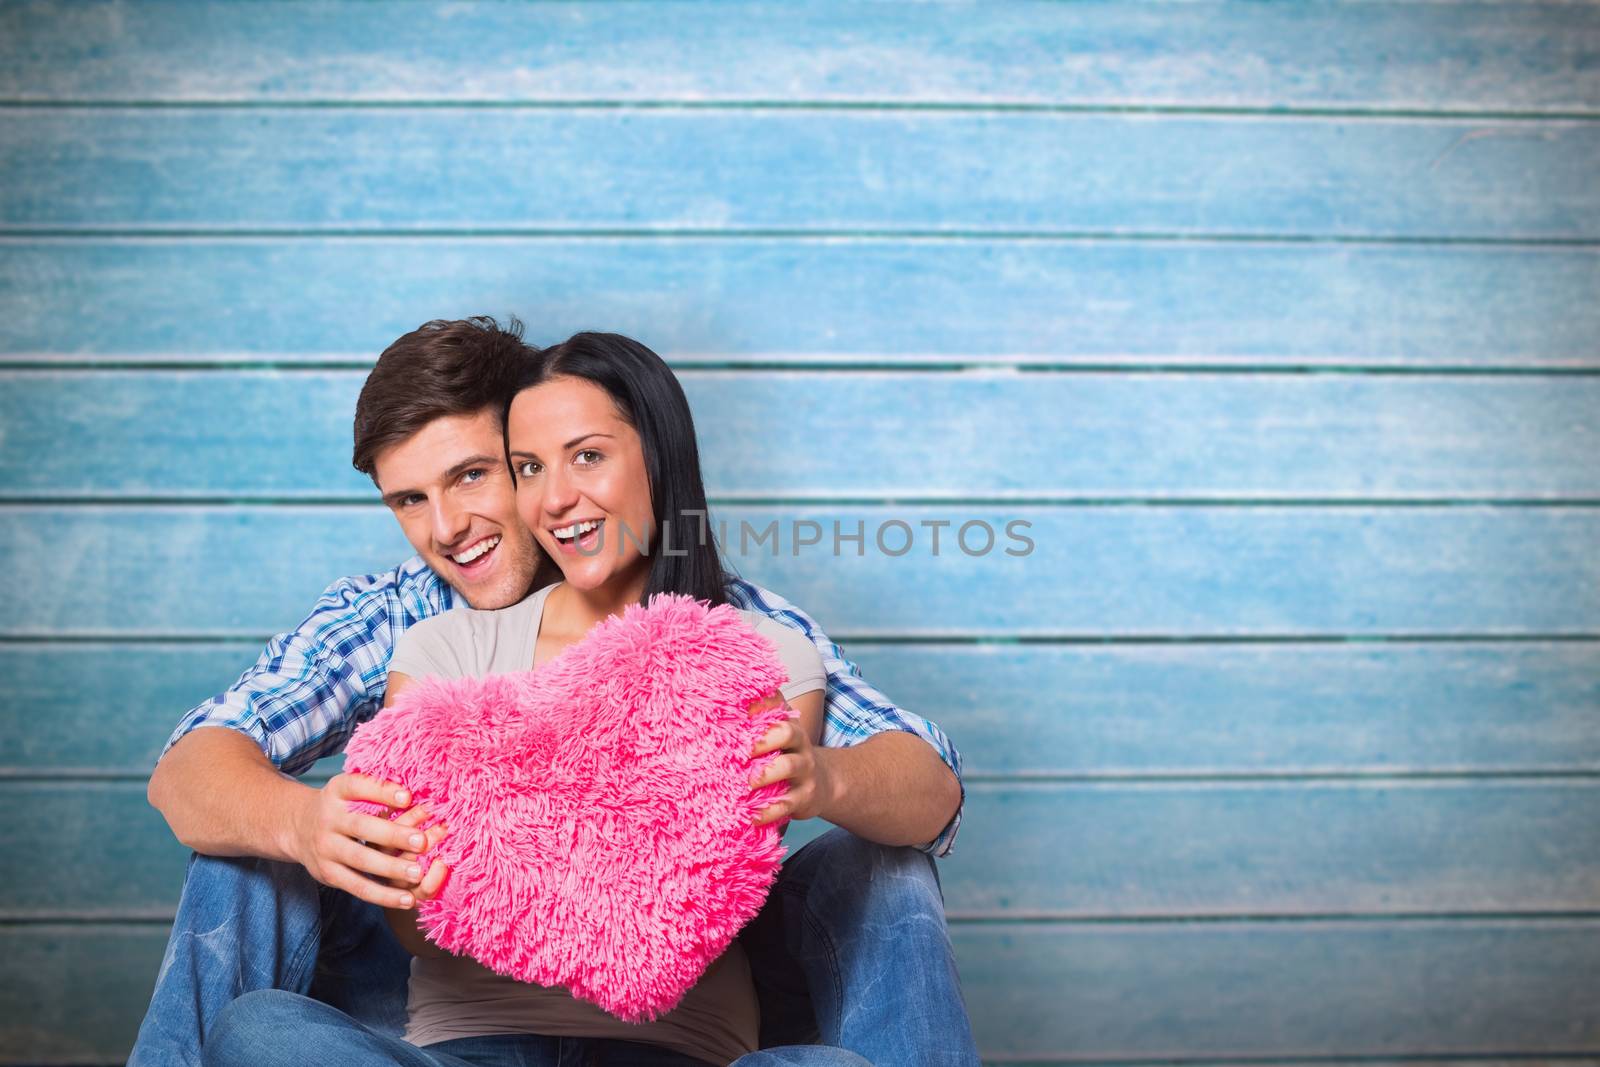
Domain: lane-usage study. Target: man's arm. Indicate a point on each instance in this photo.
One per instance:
(891, 788)
(228, 791)
(222, 796)
(885, 774)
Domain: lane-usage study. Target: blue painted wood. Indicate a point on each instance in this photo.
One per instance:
(1220, 991)
(1056, 850)
(1318, 54)
(1093, 710)
(1012, 125)
(804, 171)
(1074, 992)
(889, 299)
(1095, 572)
(1291, 708)
(830, 434)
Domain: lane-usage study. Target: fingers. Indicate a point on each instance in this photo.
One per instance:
(781, 769)
(382, 833)
(412, 816)
(781, 735)
(358, 885)
(373, 861)
(778, 809)
(433, 882)
(434, 834)
(772, 700)
(365, 787)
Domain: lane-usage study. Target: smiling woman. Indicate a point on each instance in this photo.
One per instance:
(602, 442)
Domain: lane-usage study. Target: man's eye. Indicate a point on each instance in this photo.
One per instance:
(473, 475)
(409, 501)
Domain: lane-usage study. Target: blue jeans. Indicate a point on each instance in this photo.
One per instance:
(850, 950)
(277, 1028)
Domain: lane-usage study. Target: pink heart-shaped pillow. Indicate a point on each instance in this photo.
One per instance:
(600, 807)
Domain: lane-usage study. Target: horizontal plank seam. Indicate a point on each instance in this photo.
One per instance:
(131, 234)
(1357, 113)
(35, 363)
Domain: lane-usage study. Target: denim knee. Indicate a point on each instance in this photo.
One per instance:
(843, 866)
(257, 1030)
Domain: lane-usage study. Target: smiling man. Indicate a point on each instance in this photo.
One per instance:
(285, 886)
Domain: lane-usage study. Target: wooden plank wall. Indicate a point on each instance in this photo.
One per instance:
(1276, 322)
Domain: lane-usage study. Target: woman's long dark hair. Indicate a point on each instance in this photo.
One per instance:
(649, 398)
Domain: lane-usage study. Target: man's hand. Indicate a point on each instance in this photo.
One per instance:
(341, 848)
(811, 785)
(434, 880)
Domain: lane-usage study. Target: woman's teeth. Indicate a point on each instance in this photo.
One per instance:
(476, 550)
(567, 533)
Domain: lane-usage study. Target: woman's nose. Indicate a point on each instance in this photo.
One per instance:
(559, 494)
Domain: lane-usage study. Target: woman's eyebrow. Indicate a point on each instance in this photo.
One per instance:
(569, 444)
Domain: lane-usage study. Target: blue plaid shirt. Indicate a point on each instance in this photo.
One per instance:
(311, 687)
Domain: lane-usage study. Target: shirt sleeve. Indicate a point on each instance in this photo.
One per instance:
(856, 710)
(800, 657)
(311, 687)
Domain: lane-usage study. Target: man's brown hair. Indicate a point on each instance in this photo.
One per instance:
(444, 367)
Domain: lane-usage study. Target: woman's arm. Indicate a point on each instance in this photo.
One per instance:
(811, 709)
(403, 921)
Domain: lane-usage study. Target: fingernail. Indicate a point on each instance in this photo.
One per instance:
(414, 871)
(416, 839)
(405, 901)
(400, 796)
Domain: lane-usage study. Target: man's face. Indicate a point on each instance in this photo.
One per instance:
(449, 486)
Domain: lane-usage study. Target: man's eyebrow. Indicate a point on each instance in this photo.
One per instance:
(391, 499)
(450, 475)
(470, 462)
(569, 444)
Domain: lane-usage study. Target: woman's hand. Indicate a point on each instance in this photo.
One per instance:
(434, 880)
(803, 763)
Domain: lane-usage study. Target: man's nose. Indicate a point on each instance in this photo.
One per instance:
(450, 522)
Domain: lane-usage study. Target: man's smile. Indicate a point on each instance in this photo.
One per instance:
(476, 556)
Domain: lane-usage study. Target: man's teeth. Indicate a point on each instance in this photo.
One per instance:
(577, 529)
(476, 550)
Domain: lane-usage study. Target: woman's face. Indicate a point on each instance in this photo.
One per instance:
(578, 463)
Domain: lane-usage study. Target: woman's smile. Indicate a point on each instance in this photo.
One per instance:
(582, 486)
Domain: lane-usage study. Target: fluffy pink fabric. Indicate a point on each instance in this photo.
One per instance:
(599, 807)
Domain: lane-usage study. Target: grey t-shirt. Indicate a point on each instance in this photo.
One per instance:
(718, 1019)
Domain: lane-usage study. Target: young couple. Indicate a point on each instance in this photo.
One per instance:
(536, 487)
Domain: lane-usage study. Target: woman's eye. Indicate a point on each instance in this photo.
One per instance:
(589, 452)
(527, 469)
